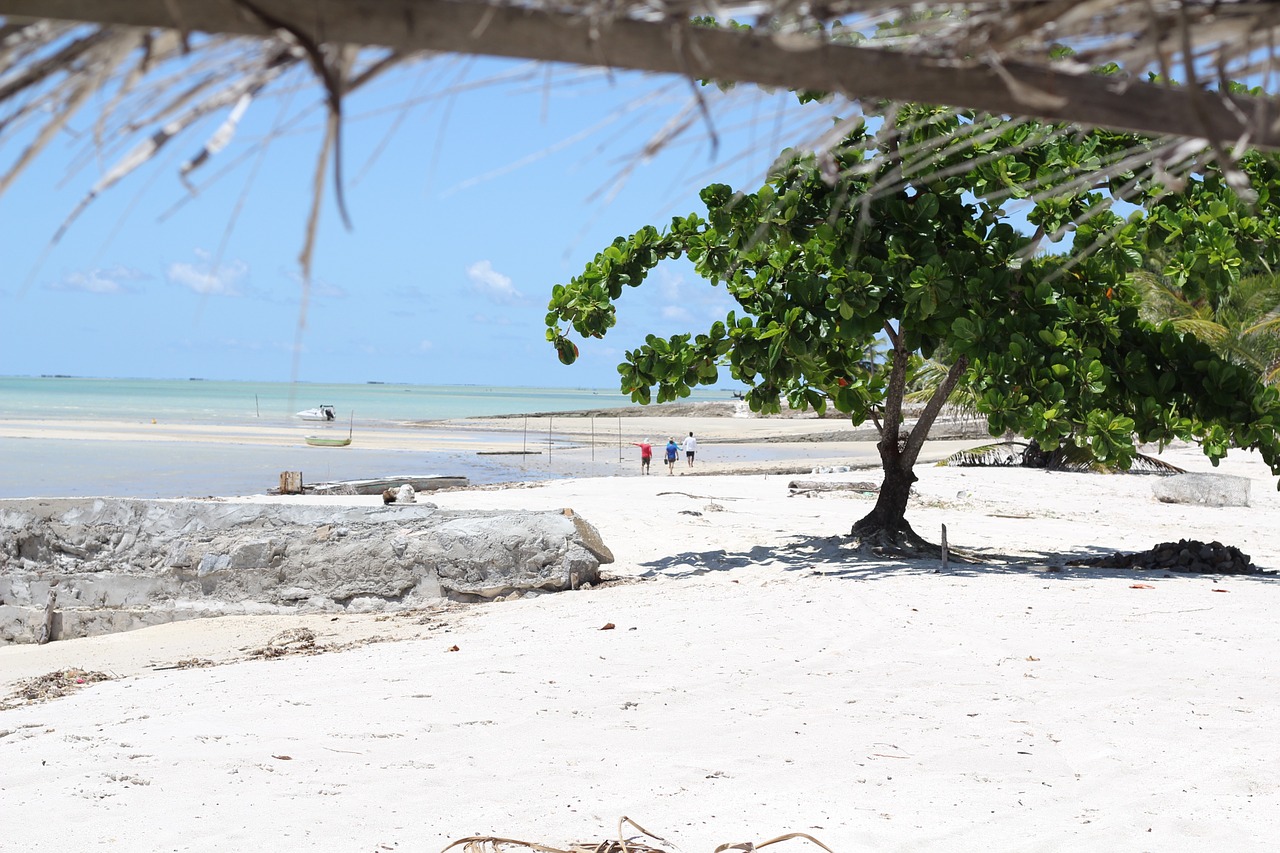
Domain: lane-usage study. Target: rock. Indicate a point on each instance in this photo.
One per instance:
(1183, 556)
(211, 563)
(404, 495)
(1203, 489)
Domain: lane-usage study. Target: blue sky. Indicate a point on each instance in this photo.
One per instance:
(473, 208)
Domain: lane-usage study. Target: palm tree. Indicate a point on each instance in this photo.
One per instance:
(1244, 326)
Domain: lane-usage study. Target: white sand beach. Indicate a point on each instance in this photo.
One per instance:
(758, 680)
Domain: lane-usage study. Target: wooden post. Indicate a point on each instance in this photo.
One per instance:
(290, 482)
(945, 555)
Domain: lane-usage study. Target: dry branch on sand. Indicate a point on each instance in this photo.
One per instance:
(303, 641)
(495, 844)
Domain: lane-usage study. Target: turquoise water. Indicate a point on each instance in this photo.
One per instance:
(61, 467)
(197, 401)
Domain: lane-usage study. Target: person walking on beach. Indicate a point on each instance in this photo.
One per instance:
(646, 454)
(672, 450)
(690, 448)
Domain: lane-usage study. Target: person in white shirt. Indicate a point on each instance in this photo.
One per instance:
(690, 448)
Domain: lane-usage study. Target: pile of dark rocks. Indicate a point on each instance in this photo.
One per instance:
(1185, 555)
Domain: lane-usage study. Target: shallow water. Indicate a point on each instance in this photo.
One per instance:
(43, 465)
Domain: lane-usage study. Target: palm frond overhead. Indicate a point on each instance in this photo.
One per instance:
(157, 70)
(997, 56)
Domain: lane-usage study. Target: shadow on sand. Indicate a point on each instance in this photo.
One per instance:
(835, 556)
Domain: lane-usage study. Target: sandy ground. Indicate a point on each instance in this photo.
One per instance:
(758, 679)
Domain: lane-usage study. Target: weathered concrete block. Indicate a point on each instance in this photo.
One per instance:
(129, 563)
(1202, 489)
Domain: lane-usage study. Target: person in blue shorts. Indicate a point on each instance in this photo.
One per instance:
(672, 450)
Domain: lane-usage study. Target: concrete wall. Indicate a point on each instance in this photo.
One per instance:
(118, 564)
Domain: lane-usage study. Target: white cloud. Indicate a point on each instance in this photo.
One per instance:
(671, 285)
(103, 281)
(203, 278)
(692, 300)
(425, 346)
(488, 281)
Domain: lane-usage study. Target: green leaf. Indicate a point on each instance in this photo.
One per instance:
(964, 329)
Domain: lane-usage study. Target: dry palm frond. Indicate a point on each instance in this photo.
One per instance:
(1004, 454)
(749, 847)
(1068, 457)
(495, 844)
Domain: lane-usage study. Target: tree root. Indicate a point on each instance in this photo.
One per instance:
(870, 539)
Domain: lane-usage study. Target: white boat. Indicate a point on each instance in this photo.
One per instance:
(319, 413)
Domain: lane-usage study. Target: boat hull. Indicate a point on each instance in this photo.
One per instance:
(319, 413)
(326, 441)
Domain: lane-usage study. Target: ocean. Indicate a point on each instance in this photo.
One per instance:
(210, 402)
(53, 466)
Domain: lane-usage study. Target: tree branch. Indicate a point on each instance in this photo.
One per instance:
(895, 391)
(931, 410)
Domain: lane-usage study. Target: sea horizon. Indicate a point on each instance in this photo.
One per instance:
(216, 401)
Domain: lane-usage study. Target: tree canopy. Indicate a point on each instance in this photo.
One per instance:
(838, 250)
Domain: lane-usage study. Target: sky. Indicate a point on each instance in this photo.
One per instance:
(466, 208)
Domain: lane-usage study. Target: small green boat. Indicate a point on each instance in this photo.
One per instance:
(328, 440)
(332, 440)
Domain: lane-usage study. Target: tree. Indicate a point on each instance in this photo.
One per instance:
(835, 251)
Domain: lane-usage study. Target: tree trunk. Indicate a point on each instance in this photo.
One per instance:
(885, 528)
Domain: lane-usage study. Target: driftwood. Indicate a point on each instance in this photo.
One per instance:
(699, 497)
(802, 486)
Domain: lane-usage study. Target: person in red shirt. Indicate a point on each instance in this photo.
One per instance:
(646, 454)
